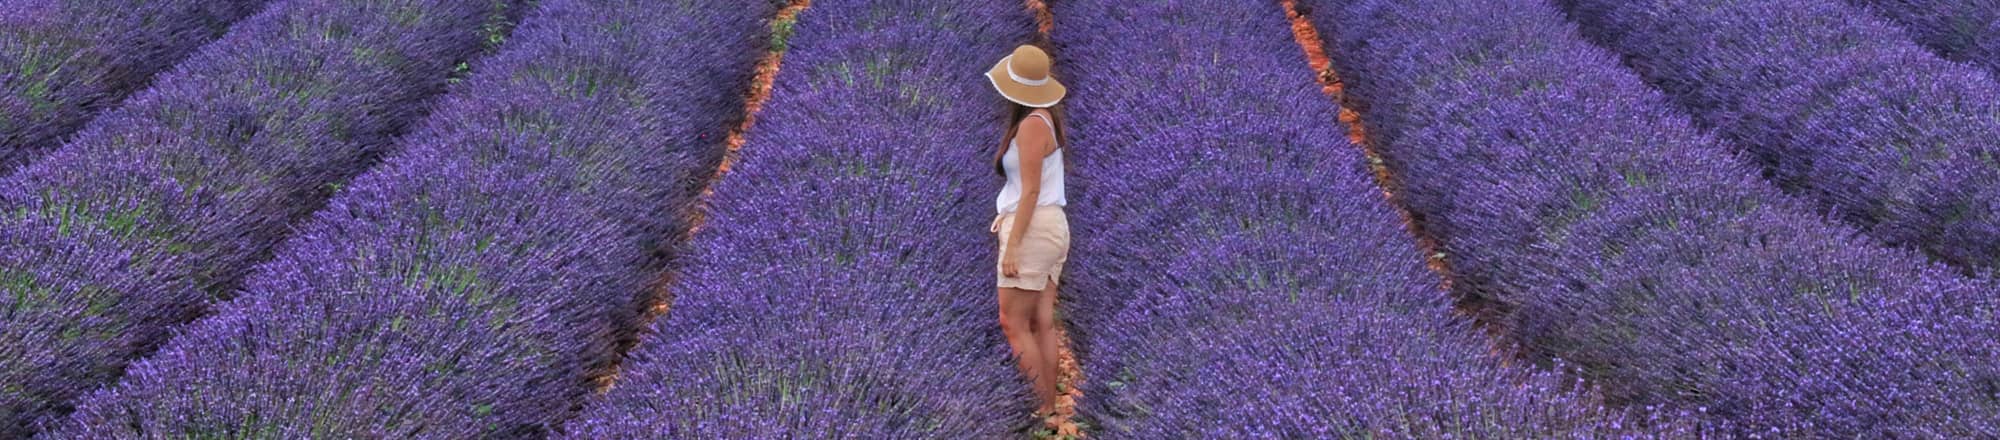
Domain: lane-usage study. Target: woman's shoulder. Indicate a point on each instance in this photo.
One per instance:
(1043, 120)
(1032, 121)
(1033, 131)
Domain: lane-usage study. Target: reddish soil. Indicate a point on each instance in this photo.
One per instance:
(1312, 45)
(1044, 21)
(1309, 40)
(760, 88)
(1072, 375)
(754, 98)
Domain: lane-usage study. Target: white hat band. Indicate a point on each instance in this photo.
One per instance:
(1017, 77)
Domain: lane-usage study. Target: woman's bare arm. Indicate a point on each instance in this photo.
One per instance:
(1035, 143)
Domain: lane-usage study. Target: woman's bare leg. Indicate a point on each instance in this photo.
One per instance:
(1045, 339)
(1017, 321)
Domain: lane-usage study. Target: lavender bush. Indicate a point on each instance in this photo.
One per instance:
(1258, 286)
(1836, 104)
(161, 206)
(1966, 31)
(475, 283)
(1617, 237)
(841, 286)
(62, 61)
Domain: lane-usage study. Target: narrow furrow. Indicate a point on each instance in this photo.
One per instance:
(1045, 22)
(1625, 242)
(767, 73)
(842, 284)
(1837, 105)
(477, 282)
(759, 91)
(1435, 257)
(1070, 379)
(1237, 273)
(1966, 31)
(64, 61)
(160, 207)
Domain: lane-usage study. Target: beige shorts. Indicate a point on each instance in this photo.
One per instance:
(1044, 248)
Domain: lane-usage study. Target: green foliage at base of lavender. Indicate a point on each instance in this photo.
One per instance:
(170, 198)
(474, 283)
(63, 61)
(841, 285)
(1838, 105)
(1966, 31)
(781, 34)
(1239, 274)
(1612, 234)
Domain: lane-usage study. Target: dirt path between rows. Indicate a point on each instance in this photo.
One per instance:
(754, 97)
(1072, 375)
(1310, 41)
(1313, 45)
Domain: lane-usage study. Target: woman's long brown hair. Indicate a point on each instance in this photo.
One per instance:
(1018, 113)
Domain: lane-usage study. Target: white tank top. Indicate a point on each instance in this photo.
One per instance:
(1052, 176)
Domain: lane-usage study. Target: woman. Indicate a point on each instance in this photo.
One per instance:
(1033, 233)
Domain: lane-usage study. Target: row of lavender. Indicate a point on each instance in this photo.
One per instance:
(1837, 104)
(1242, 276)
(160, 207)
(1614, 235)
(834, 290)
(474, 284)
(62, 61)
(1966, 31)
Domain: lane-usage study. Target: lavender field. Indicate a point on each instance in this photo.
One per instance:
(767, 219)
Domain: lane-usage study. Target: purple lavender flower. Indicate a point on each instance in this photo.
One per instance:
(1238, 274)
(473, 284)
(1837, 105)
(1966, 31)
(63, 61)
(161, 206)
(1610, 233)
(842, 284)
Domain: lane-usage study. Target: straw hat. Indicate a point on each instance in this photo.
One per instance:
(1024, 78)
